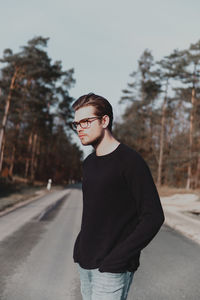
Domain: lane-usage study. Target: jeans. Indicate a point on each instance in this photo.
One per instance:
(96, 285)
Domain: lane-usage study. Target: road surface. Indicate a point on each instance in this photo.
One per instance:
(36, 260)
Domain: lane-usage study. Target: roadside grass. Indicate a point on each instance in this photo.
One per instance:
(165, 191)
(12, 193)
(19, 190)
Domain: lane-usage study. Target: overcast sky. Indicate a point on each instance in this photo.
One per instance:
(102, 40)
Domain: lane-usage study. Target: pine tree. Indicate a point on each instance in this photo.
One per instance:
(35, 93)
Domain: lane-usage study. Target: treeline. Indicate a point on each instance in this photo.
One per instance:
(162, 119)
(35, 111)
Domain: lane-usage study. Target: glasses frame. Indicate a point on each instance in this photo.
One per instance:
(74, 125)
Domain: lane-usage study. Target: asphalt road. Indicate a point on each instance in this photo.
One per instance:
(36, 260)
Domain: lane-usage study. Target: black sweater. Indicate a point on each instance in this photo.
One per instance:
(121, 211)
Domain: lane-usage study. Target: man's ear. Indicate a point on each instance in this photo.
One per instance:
(105, 121)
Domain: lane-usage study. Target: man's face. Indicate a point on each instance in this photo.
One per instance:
(94, 134)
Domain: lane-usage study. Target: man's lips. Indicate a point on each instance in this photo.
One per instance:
(81, 135)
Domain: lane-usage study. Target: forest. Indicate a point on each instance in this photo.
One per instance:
(35, 112)
(161, 120)
(162, 117)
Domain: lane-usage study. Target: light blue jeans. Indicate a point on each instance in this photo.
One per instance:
(96, 285)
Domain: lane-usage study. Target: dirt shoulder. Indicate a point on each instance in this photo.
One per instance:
(166, 191)
(16, 194)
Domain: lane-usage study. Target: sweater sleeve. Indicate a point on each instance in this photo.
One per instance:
(150, 214)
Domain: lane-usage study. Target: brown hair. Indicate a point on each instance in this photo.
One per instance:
(101, 105)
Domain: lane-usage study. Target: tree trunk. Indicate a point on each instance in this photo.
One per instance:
(162, 135)
(197, 176)
(37, 155)
(33, 157)
(30, 141)
(12, 161)
(1, 154)
(5, 117)
(189, 170)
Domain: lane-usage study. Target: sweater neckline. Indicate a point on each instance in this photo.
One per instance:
(108, 154)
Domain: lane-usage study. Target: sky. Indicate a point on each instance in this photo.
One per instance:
(101, 40)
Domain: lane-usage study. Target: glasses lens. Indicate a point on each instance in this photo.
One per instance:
(84, 124)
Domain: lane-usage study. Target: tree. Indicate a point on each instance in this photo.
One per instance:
(35, 92)
(140, 117)
(169, 68)
(190, 78)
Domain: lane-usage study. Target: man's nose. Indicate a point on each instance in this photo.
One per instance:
(79, 128)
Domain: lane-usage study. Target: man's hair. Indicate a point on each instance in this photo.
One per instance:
(101, 105)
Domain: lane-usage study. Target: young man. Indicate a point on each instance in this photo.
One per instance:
(121, 208)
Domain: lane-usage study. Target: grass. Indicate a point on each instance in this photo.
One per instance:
(13, 192)
(165, 191)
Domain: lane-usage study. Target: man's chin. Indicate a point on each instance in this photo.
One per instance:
(92, 142)
(85, 143)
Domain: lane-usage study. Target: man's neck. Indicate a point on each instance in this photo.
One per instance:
(107, 145)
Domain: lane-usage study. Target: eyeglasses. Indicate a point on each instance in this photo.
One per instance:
(85, 123)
